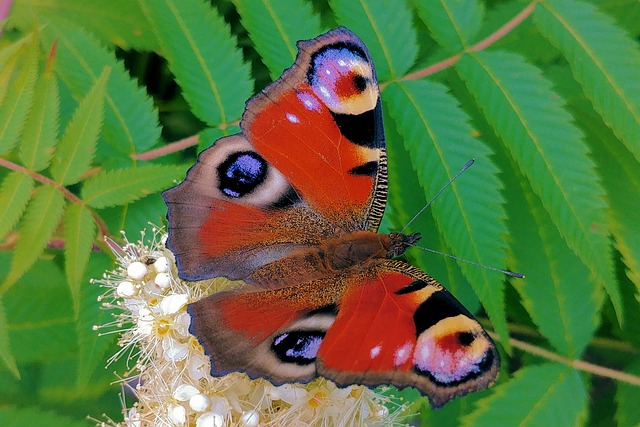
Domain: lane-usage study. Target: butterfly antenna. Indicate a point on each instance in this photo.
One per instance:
(464, 168)
(507, 272)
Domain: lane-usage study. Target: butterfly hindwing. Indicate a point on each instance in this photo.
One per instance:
(272, 333)
(399, 326)
(389, 324)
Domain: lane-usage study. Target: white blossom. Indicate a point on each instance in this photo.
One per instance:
(171, 374)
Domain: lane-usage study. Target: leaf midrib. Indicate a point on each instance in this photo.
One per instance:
(203, 64)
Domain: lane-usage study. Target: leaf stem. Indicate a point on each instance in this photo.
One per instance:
(167, 149)
(595, 342)
(102, 226)
(481, 45)
(577, 364)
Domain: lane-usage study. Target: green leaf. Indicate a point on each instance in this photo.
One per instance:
(39, 313)
(120, 22)
(406, 198)
(79, 234)
(555, 275)
(469, 215)
(208, 136)
(618, 169)
(130, 121)
(274, 27)
(8, 60)
(203, 55)
(544, 395)
(533, 124)
(627, 398)
(453, 24)
(625, 12)
(14, 196)
(18, 98)
(92, 346)
(11, 416)
(41, 129)
(6, 354)
(387, 30)
(78, 143)
(113, 188)
(41, 219)
(604, 60)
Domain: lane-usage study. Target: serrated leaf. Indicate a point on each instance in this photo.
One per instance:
(120, 22)
(40, 220)
(469, 215)
(555, 275)
(130, 120)
(533, 124)
(12, 416)
(543, 395)
(203, 56)
(13, 49)
(41, 129)
(18, 98)
(8, 60)
(387, 30)
(406, 198)
(6, 354)
(14, 196)
(92, 346)
(523, 38)
(79, 234)
(618, 170)
(604, 60)
(274, 27)
(453, 24)
(78, 143)
(626, 13)
(113, 188)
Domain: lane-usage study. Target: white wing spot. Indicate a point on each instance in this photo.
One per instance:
(293, 118)
(325, 92)
(402, 353)
(375, 351)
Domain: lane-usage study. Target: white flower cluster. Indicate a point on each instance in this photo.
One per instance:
(171, 379)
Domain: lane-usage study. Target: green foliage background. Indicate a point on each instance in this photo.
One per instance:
(544, 95)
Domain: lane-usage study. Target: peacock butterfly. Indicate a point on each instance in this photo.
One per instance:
(291, 206)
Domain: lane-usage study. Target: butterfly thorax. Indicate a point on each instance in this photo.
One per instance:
(332, 256)
(358, 247)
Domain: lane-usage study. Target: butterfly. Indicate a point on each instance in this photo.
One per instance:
(291, 206)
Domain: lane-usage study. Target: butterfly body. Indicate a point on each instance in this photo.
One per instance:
(291, 206)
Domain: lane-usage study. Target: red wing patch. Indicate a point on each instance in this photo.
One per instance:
(401, 327)
(299, 126)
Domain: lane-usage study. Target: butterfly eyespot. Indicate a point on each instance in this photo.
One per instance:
(299, 347)
(241, 173)
(360, 82)
(466, 338)
(343, 78)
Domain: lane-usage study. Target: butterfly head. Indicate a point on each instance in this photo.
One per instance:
(399, 243)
